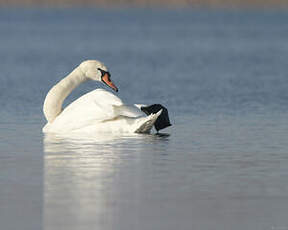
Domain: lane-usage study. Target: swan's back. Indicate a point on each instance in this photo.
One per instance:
(98, 110)
(90, 108)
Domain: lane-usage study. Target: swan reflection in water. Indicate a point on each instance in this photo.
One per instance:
(85, 177)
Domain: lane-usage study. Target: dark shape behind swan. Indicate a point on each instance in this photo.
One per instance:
(163, 120)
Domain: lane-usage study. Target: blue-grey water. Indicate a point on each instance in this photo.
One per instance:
(222, 165)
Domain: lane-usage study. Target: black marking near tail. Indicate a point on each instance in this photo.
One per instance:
(163, 120)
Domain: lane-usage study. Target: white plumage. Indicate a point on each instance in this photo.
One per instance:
(96, 111)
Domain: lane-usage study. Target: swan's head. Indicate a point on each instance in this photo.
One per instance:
(97, 71)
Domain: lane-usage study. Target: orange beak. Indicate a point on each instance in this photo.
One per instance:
(107, 81)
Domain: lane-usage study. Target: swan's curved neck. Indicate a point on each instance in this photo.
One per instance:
(53, 102)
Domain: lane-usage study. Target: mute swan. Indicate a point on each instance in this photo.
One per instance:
(98, 110)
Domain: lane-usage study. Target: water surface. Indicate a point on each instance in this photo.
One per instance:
(223, 163)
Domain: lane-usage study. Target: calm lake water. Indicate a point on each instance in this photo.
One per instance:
(222, 165)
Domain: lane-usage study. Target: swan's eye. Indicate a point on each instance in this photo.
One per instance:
(102, 72)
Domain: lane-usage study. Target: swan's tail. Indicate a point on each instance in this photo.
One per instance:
(146, 124)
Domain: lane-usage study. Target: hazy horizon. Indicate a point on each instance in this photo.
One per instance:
(150, 3)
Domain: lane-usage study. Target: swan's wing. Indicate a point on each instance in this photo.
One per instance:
(96, 106)
(127, 111)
